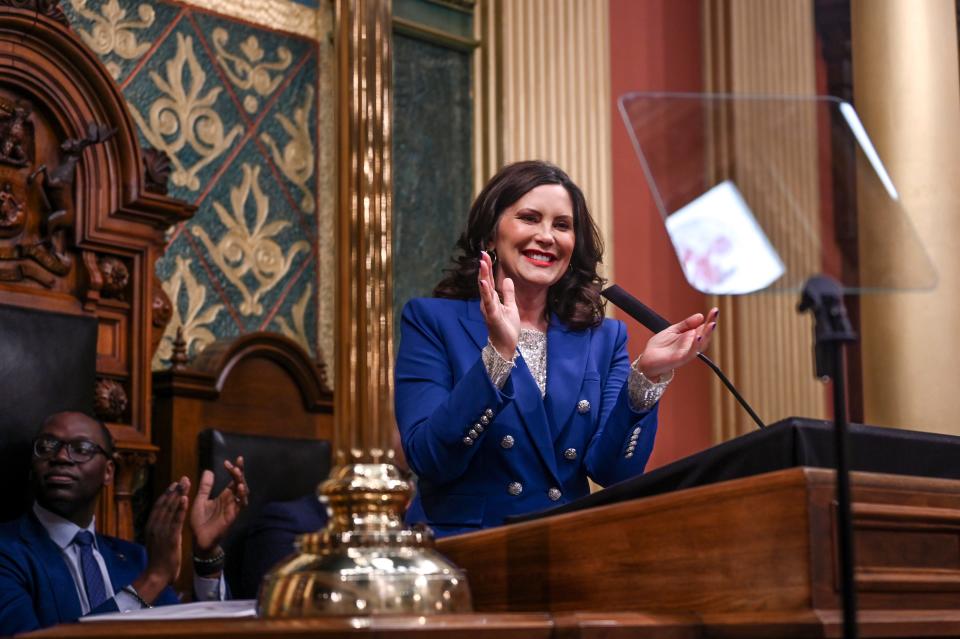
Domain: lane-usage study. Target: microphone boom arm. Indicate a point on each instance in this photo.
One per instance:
(656, 323)
(730, 387)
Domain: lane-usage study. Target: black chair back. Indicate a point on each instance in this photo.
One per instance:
(276, 468)
(47, 365)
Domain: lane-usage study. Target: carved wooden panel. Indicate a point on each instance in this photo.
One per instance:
(80, 224)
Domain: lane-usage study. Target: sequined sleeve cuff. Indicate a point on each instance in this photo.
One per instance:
(498, 368)
(643, 392)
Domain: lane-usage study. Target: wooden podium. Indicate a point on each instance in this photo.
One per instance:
(752, 557)
(744, 558)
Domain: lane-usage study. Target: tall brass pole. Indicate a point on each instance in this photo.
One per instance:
(365, 562)
(906, 85)
(363, 402)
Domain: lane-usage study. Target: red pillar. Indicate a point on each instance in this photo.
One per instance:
(655, 45)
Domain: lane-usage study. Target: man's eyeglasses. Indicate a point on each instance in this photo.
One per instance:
(78, 450)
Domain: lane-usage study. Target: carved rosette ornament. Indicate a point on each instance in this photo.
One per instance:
(116, 276)
(109, 400)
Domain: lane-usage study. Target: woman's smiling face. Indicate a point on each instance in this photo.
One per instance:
(534, 238)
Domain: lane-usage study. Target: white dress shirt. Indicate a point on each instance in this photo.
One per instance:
(62, 532)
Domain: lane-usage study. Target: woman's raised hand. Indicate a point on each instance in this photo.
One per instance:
(502, 317)
(676, 345)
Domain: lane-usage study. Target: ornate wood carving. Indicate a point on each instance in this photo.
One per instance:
(12, 213)
(179, 359)
(161, 313)
(156, 164)
(16, 134)
(115, 277)
(36, 202)
(110, 400)
(80, 231)
(48, 8)
(129, 478)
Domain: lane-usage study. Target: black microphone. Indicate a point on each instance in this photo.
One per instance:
(656, 323)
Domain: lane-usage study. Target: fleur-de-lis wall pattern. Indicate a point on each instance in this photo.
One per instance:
(238, 109)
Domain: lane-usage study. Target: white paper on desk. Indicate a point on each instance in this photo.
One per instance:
(236, 609)
(721, 246)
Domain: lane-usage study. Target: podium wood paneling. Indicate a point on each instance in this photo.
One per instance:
(758, 550)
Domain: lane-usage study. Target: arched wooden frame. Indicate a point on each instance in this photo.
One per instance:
(114, 219)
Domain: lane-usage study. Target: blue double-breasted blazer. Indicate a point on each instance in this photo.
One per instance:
(530, 453)
(36, 589)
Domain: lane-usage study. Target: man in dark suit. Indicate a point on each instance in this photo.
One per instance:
(55, 568)
(271, 536)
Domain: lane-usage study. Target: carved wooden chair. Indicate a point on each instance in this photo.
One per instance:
(259, 384)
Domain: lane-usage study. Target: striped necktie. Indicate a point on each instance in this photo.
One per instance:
(92, 577)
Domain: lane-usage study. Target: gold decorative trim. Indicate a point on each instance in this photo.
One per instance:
(249, 70)
(192, 326)
(327, 181)
(436, 36)
(282, 15)
(182, 117)
(296, 160)
(245, 250)
(488, 91)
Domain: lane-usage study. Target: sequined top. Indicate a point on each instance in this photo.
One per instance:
(532, 345)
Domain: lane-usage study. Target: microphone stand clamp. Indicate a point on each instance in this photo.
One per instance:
(823, 296)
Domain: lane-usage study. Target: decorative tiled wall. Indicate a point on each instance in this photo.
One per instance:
(245, 113)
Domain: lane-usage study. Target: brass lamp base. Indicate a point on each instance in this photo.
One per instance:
(365, 562)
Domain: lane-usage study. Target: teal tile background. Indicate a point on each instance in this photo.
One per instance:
(187, 73)
(209, 89)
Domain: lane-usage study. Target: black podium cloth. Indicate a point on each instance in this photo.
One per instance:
(791, 442)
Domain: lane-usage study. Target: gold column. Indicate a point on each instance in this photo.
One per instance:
(363, 409)
(487, 91)
(906, 91)
(762, 47)
(543, 87)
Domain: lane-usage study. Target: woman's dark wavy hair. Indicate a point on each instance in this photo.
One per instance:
(576, 297)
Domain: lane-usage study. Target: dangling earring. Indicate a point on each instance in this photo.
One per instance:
(493, 256)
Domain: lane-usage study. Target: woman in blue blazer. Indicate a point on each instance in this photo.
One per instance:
(511, 387)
